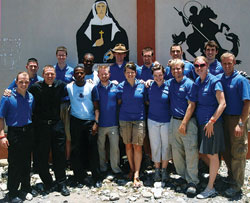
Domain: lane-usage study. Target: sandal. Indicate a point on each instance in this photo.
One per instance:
(137, 182)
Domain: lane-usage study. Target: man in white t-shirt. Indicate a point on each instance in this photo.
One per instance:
(83, 127)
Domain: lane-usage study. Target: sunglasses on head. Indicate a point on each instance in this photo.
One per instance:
(199, 65)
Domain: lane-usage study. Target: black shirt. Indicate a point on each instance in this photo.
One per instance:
(48, 99)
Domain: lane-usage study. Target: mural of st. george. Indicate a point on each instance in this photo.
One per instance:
(203, 21)
(99, 34)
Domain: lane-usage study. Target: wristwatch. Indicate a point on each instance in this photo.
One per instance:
(241, 124)
(96, 122)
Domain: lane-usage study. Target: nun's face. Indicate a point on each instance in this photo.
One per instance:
(101, 10)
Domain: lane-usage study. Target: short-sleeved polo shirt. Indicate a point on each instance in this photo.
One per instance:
(117, 72)
(179, 94)
(206, 98)
(215, 68)
(188, 71)
(133, 99)
(65, 74)
(16, 109)
(236, 89)
(108, 106)
(144, 73)
(158, 97)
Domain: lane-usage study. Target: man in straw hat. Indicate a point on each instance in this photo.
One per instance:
(117, 69)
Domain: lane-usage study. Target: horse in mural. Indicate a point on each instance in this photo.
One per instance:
(206, 30)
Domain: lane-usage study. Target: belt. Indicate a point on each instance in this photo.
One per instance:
(20, 129)
(66, 101)
(48, 122)
(230, 115)
(177, 118)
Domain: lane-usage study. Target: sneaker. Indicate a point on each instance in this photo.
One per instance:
(231, 192)
(98, 184)
(16, 200)
(164, 175)
(157, 176)
(25, 195)
(34, 192)
(207, 193)
(180, 181)
(228, 180)
(62, 188)
(191, 189)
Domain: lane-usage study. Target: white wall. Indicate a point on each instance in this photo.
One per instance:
(233, 13)
(34, 28)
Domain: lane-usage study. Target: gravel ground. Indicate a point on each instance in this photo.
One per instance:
(120, 190)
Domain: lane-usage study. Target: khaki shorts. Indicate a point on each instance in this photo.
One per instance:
(132, 132)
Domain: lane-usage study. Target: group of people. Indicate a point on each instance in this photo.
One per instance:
(186, 111)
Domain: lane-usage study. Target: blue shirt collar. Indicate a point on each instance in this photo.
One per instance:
(16, 94)
(206, 79)
(155, 84)
(34, 78)
(182, 81)
(235, 73)
(124, 63)
(64, 68)
(100, 84)
(145, 67)
(214, 63)
(136, 82)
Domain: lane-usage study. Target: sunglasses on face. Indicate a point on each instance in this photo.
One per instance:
(199, 65)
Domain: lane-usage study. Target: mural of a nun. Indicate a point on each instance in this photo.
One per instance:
(99, 34)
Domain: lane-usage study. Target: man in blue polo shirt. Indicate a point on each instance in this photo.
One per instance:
(32, 68)
(183, 128)
(17, 111)
(64, 73)
(108, 120)
(176, 53)
(117, 69)
(211, 50)
(237, 95)
(144, 72)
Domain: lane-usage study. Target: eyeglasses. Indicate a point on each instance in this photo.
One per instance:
(199, 65)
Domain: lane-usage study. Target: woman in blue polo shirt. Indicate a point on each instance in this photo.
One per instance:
(158, 122)
(210, 105)
(131, 97)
